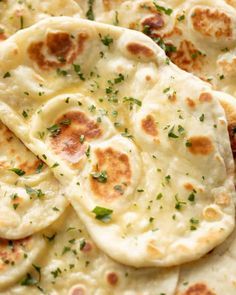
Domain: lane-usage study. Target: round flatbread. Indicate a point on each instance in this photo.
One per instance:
(17, 15)
(73, 265)
(198, 36)
(31, 198)
(17, 258)
(141, 146)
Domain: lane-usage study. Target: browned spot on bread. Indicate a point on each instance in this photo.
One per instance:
(88, 247)
(69, 142)
(198, 289)
(11, 252)
(61, 48)
(59, 44)
(149, 125)
(29, 168)
(176, 31)
(2, 37)
(212, 23)
(187, 57)
(78, 291)
(140, 50)
(188, 186)
(205, 97)
(200, 145)
(112, 278)
(190, 102)
(117, 167)
(153, 24)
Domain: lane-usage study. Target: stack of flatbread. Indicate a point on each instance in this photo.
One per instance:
(118, 141)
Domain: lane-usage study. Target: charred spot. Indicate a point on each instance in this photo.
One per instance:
(149, 125)
(187, 57)
(232, 136)
(139, 50)
(11, 251)
(112, 278)
(118, 171)
(153, 24)
(200, 145)
(190, 102)
(212, 23)
(61, 48)
(70, 139)
(205, 97)
(198, 289)
(59, 44)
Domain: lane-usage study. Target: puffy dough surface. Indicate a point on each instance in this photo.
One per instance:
(198, 36)
(219, 280)
(17, 257)
(17, 15)
(141, 146)
(74, 265)
(30, 200)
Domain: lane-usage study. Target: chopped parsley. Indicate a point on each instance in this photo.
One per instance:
(7, 75)
(132, 101)
(191, 197)
(106, 40)
(28, 281)
(167, 11)
(202, 118)
(34, 192)
(171, 133)
(90, 13)
(77, 69)
(159, 196)
(100, 176)
(54, 130)
(102, 214)
(25, 114)
(181, 17)
(179, 204)
(18, 171)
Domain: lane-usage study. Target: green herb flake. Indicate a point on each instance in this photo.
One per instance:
(102, 214)
(171, 133)
(132, 100)
(34, 192)
(202, 118)
(106, 40)
(167, 11)
(90, 13)
(77, 69)
(28, 281)
(54, 130)
(7, 75)
(100, 176)
(191, 197)
(19, 172)
(82, 244)
(159, 196)
(25, 114)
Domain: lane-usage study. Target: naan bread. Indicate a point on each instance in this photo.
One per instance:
(198, 36)
(31, 198)
(74, 266)
(17, 258)
(214, 274)
(17, 15)
(141, 146)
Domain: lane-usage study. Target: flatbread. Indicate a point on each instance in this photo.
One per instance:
(219, 265)
(17, 15)
(138, 143)
(198, 36)
(31, 197)
(17, 257)
(214, 274)
(73, 265)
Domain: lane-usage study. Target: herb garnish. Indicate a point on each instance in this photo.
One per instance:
(102, 214)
